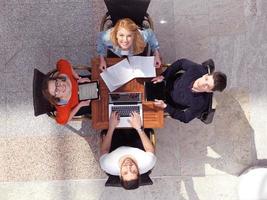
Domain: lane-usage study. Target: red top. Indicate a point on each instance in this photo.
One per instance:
(63, 111)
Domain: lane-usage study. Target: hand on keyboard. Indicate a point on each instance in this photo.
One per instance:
(114, 120)
(135, 120)
(125, 111)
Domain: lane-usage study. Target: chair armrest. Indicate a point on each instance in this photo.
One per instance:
(214, 103)
(82, 67)
(104, 20)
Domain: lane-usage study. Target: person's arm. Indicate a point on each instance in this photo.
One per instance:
(181, 64)
(182, 115)
(64, 115)
(83, 80)
(157, 58)
(101, 44)
(102, 63)
(157, 79)
(77, 108)
(106, 143)
(101, 49)
(150, 38)
(74, 74)
(135, 121)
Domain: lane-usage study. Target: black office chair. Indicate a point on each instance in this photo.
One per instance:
(133, 9)
(41, 105)
(129, 137)
(207, 115)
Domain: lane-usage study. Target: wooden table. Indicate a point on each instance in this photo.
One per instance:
(153, 116)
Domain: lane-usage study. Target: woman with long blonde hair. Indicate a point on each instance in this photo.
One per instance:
(125, 38)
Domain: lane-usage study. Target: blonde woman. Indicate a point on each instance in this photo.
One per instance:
(126, 39)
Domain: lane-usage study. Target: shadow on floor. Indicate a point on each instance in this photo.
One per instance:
(196, 150)
(90, 136)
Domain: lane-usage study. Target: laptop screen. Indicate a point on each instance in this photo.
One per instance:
(123, 97)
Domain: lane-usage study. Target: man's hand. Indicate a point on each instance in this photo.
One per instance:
(114, 120)
(158, 79)
(102, 64)
(83, 80)
(135, 120)
(160, 104)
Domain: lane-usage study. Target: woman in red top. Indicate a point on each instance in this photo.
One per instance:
(61, 90)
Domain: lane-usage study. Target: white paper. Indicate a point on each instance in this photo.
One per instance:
(108, 80)
(143, 66)
(122, 72)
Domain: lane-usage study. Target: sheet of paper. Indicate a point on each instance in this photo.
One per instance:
(124, 71)
(108, 80)
(118, 74)
(143, 66)
(121, 72)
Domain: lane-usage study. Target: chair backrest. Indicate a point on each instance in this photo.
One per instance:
(210, 65)
(40, 104)
(207, 115)
(128, 137)
(133, 9)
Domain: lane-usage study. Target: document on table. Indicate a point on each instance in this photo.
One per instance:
(124, 71)
(143, 67)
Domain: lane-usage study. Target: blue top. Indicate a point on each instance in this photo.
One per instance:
(104, 42)
(181, 93)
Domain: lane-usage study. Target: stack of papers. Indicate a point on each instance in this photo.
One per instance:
(127, 69)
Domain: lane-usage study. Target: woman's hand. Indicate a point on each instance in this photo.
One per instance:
(114, 120)
(83, 80)
(135, 120)
(158, 79)
(102, 64)
(84, 103)
(157, 59)
(160, 104)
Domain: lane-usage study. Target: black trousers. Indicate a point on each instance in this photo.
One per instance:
(126, 137)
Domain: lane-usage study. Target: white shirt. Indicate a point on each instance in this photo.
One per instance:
(109, 162)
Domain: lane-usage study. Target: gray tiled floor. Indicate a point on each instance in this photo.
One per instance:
(195, 161)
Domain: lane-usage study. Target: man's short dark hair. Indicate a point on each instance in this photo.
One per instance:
(220, 81)
(130, 185)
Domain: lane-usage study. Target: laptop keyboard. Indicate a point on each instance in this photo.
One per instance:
(125, 111)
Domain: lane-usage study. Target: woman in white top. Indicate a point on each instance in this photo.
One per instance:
(127, 162)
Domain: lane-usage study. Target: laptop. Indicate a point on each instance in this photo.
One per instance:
(124, 103)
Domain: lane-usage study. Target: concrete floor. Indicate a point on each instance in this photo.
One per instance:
(43, 161)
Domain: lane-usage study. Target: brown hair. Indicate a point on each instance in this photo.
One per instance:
(220, 81)
(52, 99)
(131, 184)
(138, 41)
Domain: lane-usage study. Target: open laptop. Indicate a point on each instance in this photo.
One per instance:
(124, 103)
